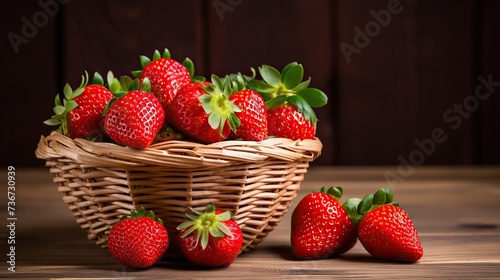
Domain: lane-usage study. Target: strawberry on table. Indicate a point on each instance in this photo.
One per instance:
(79, 113)
(138, 240)
(202, 111)
(165, 75)
(135, 118)
(386, 230)
(289, 101)
(320, 227)
(210, 238)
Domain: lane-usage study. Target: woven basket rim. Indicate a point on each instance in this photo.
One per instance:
(176, 153)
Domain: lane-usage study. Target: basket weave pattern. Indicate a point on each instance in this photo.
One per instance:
(102, 181)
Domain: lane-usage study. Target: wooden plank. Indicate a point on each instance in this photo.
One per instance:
(51, 245)
(402, 78)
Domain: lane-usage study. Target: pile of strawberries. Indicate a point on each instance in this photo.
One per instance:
(322, 227)
(166, 101)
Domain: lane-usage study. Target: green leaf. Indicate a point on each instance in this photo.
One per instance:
(70, 105)
(77, 93)
(335, 192)
(287, 68)
(223, 228)
(216, 232)
(270, 75)
(302, 85)
(144, 60)
(97, 79)
(68, 92)
(315, 97)
(166, 53)
(379, 197)
(366, 204)
(204, 239)
(57, 100)
(214, 120)
(188, 63)
(293, 76)
(146, 85)
(389, 196)
(52, 122)
(278, 100)
(264, 89)
(136, 73)
(59, 109)
(303, 107)
(126, 82)
(351, 207)
(156, 55)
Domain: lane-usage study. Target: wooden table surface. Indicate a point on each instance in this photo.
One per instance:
(455, 210)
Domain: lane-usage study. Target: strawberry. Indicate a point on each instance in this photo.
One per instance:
(203, 112)
(253, 115)
(138, 241)
(135, 118)
(79, 114)
(288, 122)
(165, 74)
(320, 227)
(210, 238)
(289, 101)
(386, 230)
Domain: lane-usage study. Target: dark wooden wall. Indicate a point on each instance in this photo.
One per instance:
(395, 98)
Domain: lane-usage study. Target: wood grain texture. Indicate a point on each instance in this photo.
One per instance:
(454, 209)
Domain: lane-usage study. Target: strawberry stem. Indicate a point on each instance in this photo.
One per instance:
(206, 223)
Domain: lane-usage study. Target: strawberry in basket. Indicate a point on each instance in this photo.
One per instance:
(289, 101)
(210, 238)
(202, 111)
(135, 118)
(78, 113)
(165, 75)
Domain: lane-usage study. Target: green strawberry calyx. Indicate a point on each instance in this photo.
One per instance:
(217, 105)
(134, 214)
(188, 63)
(357, 208)
(65, 103)
(205, 224)
(335, 192)
(288, 87)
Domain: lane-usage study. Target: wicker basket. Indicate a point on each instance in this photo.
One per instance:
(102, 181)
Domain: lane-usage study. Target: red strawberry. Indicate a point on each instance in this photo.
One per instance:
(79, 115)
(386, 231)
(203, 112)
(289, 101)
(138, 241)
(134, 119)
(165, 74)
(320, 226)
(253, 115)
(211, 238)
(286, 121)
